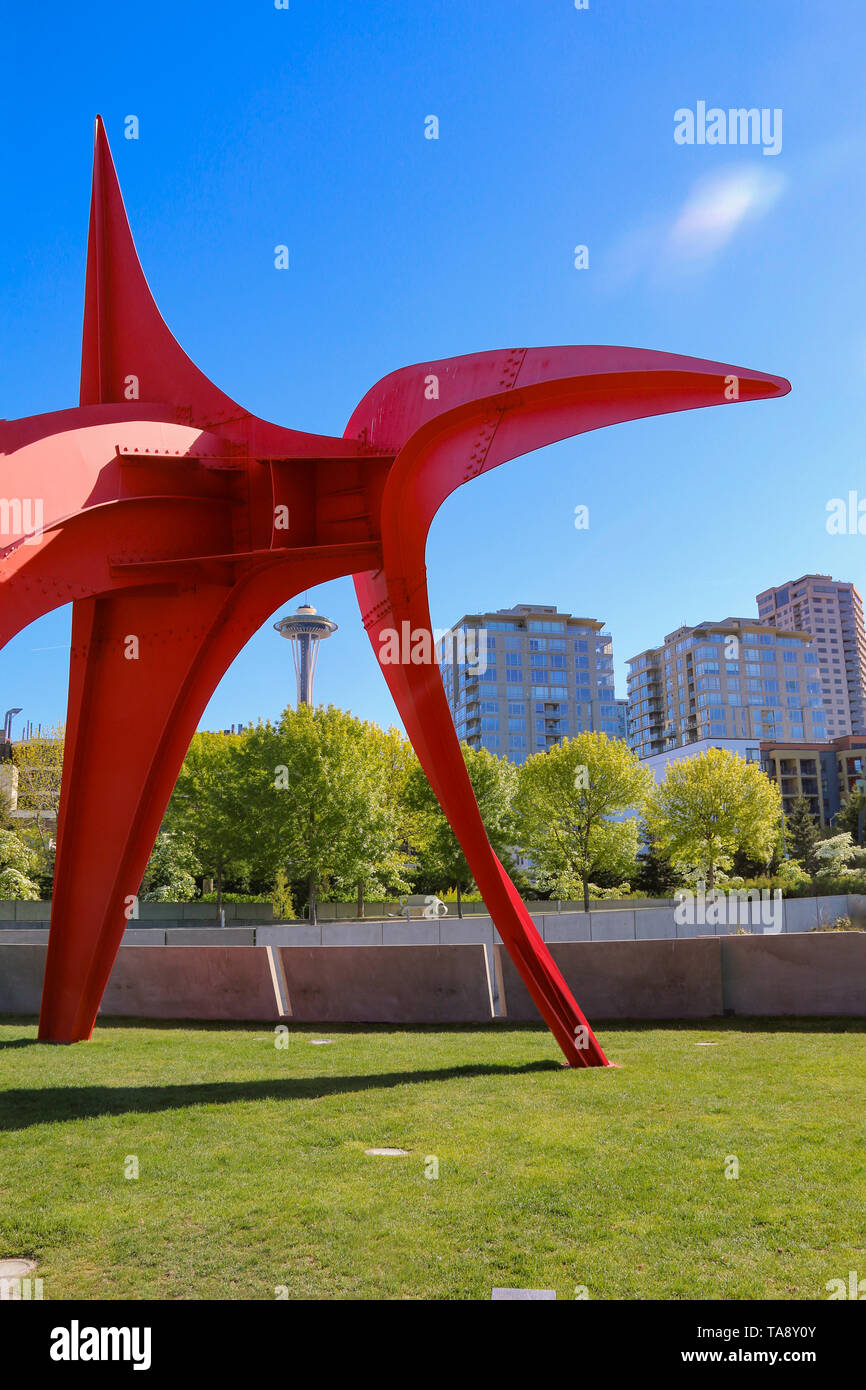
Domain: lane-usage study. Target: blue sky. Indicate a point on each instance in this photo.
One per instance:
(305, 126)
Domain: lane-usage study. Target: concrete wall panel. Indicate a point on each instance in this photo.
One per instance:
(290, 934)
(800, 914)
(617, 925)
(559, 927)
(209, 936)
(629, 979)
(21, 969)
(207, 982)
(454, 932)
(29, 912)
(798, 975)
(655, 924)
(351, 933)
(34, 936)
(388, 984)
(422, 933)
(830, 908)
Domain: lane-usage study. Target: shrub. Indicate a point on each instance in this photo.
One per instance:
(282, 901)
(236, 898)
(840, 924)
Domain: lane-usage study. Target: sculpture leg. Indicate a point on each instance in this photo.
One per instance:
(136, 692)
(420, 697)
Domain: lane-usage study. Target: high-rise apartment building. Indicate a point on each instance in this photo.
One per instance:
(737, 679)
(521, 679)
(832, 611)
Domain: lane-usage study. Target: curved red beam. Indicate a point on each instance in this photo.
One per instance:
(161, 504)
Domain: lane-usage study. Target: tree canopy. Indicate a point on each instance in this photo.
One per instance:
(573, 807)
(440, 862)
(709, 806)
(323, 805)
(327, 790)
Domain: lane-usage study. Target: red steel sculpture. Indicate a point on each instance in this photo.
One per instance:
(175, 523)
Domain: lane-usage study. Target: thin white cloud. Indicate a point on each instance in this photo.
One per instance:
(716, 209)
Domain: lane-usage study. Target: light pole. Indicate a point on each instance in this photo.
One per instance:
(7, 725)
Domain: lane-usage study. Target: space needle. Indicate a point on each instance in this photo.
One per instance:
(305, 629)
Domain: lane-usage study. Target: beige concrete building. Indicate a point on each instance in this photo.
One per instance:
(832, 611)
(824, 773)
(736, 679)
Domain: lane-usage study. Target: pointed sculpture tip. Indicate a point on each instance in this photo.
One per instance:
(779, 385)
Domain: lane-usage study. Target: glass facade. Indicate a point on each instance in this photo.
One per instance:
(550, 675)
(725, 681)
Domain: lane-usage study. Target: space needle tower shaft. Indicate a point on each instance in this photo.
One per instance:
(305, 629)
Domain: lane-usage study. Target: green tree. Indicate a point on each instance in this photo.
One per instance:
(852, 815)
(282, 902)
(656, 875)
(212, 808)
(802, 834)
(572, 805)
(325, 808)
(391, 759)
(711, 805)
(40, 771)
(441, 863)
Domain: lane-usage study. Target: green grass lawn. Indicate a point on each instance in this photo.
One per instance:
(252, 1171)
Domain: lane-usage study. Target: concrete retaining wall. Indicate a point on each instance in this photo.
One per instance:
(217, 982)
(388, 984)
(21, 970)
(776, 976)
(628, 979)
(609, 924)
(796, 975)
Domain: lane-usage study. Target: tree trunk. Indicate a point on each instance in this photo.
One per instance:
(360, 900)
(586, 895)
(312, 910)
(459, 902)
(711, 877)
(219, 896)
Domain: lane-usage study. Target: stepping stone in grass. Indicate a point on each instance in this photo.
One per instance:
(16, 1268)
